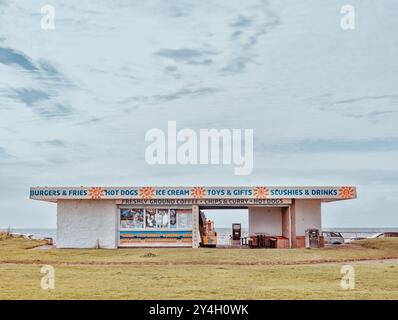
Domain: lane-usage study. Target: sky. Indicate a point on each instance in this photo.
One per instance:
(77, 101)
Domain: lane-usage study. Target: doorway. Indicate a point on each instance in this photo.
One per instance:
(223, 220)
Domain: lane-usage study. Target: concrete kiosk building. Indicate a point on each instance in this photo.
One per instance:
(112, 217)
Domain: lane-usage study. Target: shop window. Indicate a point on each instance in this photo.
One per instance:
(132, 218)
(155, 219)
(184, 219)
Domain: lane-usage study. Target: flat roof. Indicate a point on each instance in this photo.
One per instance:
(148, 193)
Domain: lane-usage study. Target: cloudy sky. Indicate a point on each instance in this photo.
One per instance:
(76, 101)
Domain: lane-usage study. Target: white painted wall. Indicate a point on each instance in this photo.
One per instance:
(308, 216)
(81, 223)
(265, 220)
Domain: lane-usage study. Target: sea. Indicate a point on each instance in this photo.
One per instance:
(223, 234)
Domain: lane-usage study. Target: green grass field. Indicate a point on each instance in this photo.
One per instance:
(199, 273)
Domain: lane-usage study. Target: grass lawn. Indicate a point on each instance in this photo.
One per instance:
(199, 273)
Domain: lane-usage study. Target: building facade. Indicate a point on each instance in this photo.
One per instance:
(112, 217)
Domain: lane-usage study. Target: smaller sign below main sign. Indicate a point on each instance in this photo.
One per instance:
(205, 202)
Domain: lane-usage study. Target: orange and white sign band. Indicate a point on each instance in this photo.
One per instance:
(193, 192)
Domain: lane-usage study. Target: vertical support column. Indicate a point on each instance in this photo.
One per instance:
(289, 227)
(117, 226)
(292, 210)
(286, 224)
(195, 227)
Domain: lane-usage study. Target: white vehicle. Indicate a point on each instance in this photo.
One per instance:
(386, 235)
(332, 237)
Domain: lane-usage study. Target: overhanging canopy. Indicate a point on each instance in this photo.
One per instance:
(253, 194)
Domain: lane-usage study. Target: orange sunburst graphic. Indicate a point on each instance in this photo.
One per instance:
(198, 192)
(260, 192)
(346, 192)
(147, 192)
(96, 193)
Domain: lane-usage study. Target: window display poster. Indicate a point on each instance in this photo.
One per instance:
(173, 219)
(150, 218)
(138, 215)
(132, 218)
(162, 218)
(124, 218)
(184, 219)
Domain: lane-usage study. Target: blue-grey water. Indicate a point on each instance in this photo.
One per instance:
(223, 234)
